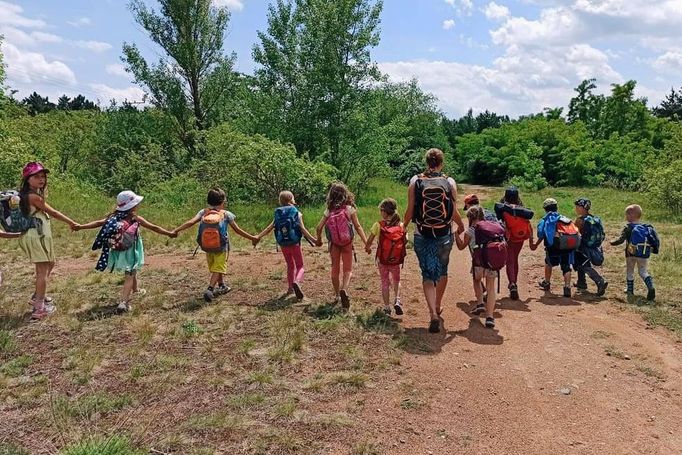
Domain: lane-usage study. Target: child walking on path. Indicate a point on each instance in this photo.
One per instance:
(642, 240)
(518, 229)
(391, 251)
(339, 221)
(561, 239)
(36, 243)
(121, 243)
(475, 215)
(590, 253)
(289, 230)
(214, 239)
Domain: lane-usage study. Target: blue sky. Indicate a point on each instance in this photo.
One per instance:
(511, 56)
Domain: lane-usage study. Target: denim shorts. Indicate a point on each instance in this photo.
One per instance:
(433, 255)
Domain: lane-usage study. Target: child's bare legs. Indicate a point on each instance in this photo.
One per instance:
(478, 290)
(347, 259)
(128, 286)
(42, 273)
(548, 273)
(567, 279)
(216, 278)
(490, 303)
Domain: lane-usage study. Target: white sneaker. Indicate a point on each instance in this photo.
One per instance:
(124, 307)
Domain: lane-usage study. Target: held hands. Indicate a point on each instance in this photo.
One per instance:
(75, 227)
(255, 241)
(368, 249)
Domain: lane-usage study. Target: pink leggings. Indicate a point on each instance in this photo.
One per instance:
(341, 254)
(389, 274)
(513, 251)
(294, 259)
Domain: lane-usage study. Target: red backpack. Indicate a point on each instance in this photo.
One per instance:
(491, 246)
(392, 244)
(567, 236)
(339, 228)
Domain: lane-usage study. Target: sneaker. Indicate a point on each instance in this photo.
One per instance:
(581, 286)
(222, 289)
(124, 307)
(434, 326)
(514, 292)
(490, 323)
(208, 296)
(48, 300)
(387, 311)
(544, 285)
(478, 309)
(601, 288)
(41, 313)
(398, 307)
(651, 295)
(345, 300)
(567, 292)
(297, 290)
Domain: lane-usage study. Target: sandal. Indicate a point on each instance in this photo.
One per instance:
(434, 326)
(345, 300)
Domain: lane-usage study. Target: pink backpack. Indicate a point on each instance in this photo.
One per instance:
(339, 228)
(491, 246)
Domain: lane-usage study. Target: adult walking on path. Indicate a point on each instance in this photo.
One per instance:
(431, 204)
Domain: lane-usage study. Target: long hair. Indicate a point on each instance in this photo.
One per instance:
(475, 213)
(390, 206)
(25, 190)
(338, 196)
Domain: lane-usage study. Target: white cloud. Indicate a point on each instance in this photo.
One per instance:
(670, 61)
(34, 68)
(448, 24)
(21, 38)
(43, 37)
(496, 12)
(232, 5)
(80, 22)
(11, 14)
(107, 93)
(117, 69)
(463, 7)
(94, 46)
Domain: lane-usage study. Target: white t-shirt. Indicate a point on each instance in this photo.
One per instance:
(452, 183)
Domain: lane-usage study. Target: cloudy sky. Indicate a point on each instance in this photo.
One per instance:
(510, 56)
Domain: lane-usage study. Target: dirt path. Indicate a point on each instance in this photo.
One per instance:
(473, 390)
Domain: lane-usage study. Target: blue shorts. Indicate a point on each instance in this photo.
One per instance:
(433, 255)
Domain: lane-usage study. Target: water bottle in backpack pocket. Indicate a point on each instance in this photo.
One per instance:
(339, 228)
(643, 241)
(12, 219)
(491, 246)
(392, 247)
(212, 235)
(287, 226)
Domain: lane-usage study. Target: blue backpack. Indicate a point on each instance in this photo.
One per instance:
(212, 236)
(643, 241)
(593, 232)
(12, 219)
(287, 226)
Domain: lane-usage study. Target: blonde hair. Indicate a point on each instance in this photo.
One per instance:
(475, 213)
(390, 206)
(338, 196)
(286, 197)
(633, 210)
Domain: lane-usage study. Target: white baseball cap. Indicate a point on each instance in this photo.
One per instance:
(127, 200)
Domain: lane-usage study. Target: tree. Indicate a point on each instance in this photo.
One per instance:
(36, 104)
(2, 74)
(63, 103)
(315, 63)
(194, 76)
(671, 106)
(586, 106)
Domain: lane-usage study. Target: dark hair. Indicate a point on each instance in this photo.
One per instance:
(511, 196)
(216, 196)
(552, 208)
(434, 158)
(338, 196)
(390, 206)
(25, 190)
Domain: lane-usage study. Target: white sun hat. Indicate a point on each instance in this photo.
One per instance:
(127, 200)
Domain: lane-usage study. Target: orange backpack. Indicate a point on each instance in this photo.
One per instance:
(517, 229)
(567, 236)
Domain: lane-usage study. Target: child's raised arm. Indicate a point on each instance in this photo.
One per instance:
(10, 235)
(90, 225)
(305, 232)
(154, 228)
(318, 230)
(39, 203)
(241, 232)
(269, 229)
(187, 224)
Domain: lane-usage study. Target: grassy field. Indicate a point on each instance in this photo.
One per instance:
(269, 377)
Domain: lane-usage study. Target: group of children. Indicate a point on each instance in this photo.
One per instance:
(494, 240)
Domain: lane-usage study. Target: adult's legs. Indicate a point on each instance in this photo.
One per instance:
(431, 298)
(513, 252)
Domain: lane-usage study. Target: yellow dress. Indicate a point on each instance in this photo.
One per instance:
(38, 248)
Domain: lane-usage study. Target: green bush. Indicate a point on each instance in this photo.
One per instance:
(114, 445)
(253, 168)
(14, 155)
(664, 183)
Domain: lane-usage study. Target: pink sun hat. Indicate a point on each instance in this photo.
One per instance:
(33, 168)
(127, 200)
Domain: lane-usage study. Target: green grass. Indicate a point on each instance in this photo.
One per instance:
(16, 367)
(115, 445)
(87, 406)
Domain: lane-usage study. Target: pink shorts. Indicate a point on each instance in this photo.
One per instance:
(389, 274)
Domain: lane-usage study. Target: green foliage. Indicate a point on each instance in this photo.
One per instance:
(664, 183)
(115, 445)
(14, 154)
